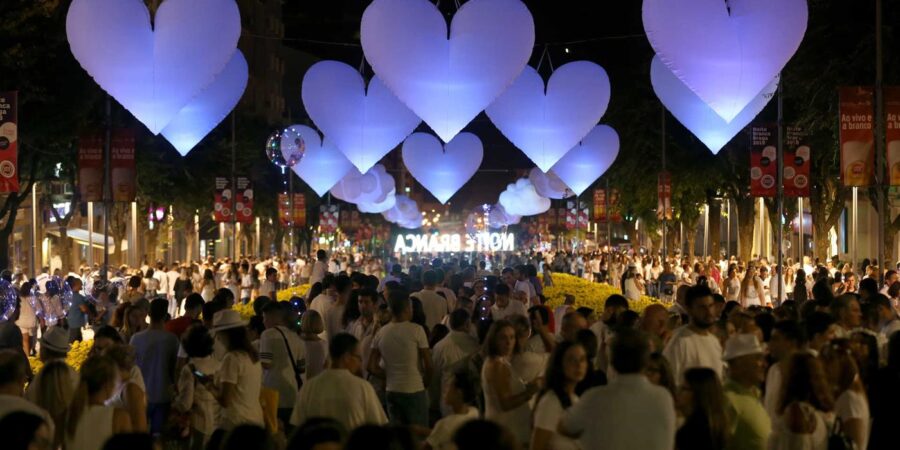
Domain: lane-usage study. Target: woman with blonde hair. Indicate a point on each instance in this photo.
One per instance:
(53, 391)
(316, 348)
(506, 396)
(89, 422)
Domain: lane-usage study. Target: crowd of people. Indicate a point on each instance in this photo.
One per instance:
(443, 354)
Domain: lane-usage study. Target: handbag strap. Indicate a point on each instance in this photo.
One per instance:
(291, 357)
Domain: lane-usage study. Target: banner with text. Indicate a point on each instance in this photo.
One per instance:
(614, 214)
(857, 136)
(796, 163)
(90, 167)
(600, 205)
(299, 216)
(763, 168)
(122, 166)
(329, 216)
(664, 194)
(9, 142)
(223, 200)
(243, 200)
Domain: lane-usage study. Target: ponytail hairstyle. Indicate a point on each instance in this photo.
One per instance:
(54, 390)
(96, 373)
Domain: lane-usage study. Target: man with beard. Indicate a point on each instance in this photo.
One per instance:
(615, 305)
(694, 345)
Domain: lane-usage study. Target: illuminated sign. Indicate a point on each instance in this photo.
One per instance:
(440, 243)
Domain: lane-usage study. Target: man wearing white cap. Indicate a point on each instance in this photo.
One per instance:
(746, 371)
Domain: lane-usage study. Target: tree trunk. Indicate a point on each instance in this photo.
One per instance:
(745, 227)
(715, 226)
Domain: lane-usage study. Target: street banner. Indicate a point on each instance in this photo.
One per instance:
(329, 216)
(857, 136)
(243, 200)
(122, 165)
(664, 195)
(599, 205)
(562, 218)
(583, 218)
(571, 215)
(614, 214)
(299, 218)
(763, 163)
(796, 163)
(892, 133)
(90, 167)
(223, 200)
(9, 142)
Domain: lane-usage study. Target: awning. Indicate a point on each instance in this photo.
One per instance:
(81, 236)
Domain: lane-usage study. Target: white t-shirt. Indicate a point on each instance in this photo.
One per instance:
(774, 378)
(687, 349)
(322, 304)
(239, 370)
(338, 394)
(514, 307)
(628, 413)
(267, 287)
(853, 405)
(399, 344)
(528, 288)
(547, 414)
(246, 285)
(316, 357)
(434, 305)
(318, 272)
(280, 375)
(441, 437)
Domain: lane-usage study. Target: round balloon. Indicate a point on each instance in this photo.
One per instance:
(273, 149)
(53, 304)
(293, 147)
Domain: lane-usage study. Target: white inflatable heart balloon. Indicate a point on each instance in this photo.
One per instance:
(726, 52)
(447, 82)
(322, 165)
(153, 70)
(588, 160)
(548, 184)
(206, 110)
(520, 199)
(364, 125)
(696, 115)
(546, 124)
(442, 169)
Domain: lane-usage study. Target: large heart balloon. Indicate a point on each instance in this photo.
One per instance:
(548, 184)
(546, 125)
(364, 125)
(206, 110)
(588, 160)
(442, 169)
(696, 115)
(322, 165)
(447, 82)
(153, 71)
(725, 51)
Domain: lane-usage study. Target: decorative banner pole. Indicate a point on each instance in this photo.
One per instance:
(879, 140)
(233, 192)
(665, 211)
(779, 196)
(107, 190)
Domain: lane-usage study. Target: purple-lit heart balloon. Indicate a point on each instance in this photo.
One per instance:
(727, 52)
(153, 70)
(206, 110)
(588, 160)
(447, 82)
(365, 126)
(546, 125)
(696, 115)
(442, 169)
(322, 165)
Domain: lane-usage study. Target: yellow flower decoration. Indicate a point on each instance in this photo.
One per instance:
(75, 358)
(283, 295)
(591, 295)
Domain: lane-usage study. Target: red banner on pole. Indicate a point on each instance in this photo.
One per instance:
(614, 214)
(796, 164)
(123, 172)
(857, 136)
(243, 200)
(329, 216)
(90, 167)
(9, 142)
(892, 132)
(299, 217)
(763, 163)
(600, 205)
(223, 200)
(664, 195)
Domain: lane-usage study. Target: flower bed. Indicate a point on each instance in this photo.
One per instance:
(282, 296)
(591, 295)
(77, 354)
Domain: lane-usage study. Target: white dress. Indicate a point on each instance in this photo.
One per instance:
(518, 420)
(95, 426)
(751, 297)
(784, 439)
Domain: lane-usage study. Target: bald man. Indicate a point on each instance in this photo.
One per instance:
(653, 322)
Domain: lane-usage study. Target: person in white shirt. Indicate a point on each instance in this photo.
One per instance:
(192, 396)
(567, 367)
(766, 280)
(339, 392)
(333, 313)
(360, 319)
(246, 283)
(269, 286)
(282, 355)
(523, 284)
(773, 287)
(434, 304)
(450, 353)
(615, 304)
(320, 268)
(787, 338)
(403, 347)
(459, 396)
(504, 306)
(694, 345)
(619, 415)
(239, 380)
